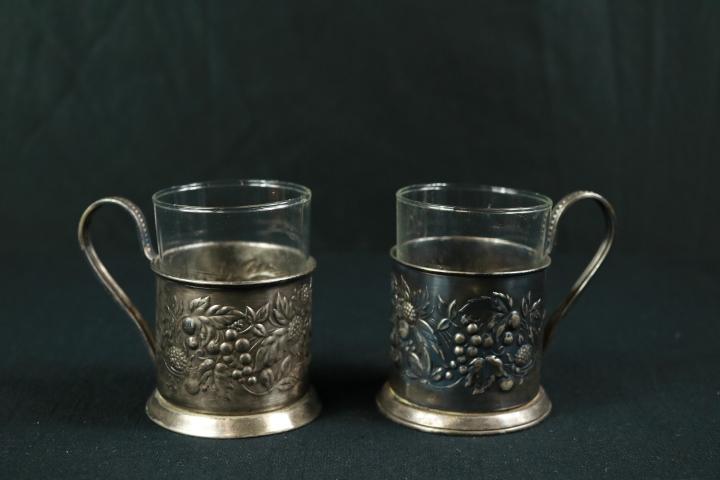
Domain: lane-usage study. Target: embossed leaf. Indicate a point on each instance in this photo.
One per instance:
(469, 379)
(271, 350)
(536, 305)
(285, 366)
(267, 378)
(206, 377)
(416, 365)
(280, 317)
(287, 383)
(424, 361)
(499, 331)
(482, 388)
(425, 337)
(404, 289)
(451, 309)
(259, 330)
(441, 300)
(525, 306)
(437, 373)
(501, 302)
(395, 355)
(206, 364)
(476, 363)
(200, 304)
(283, 310)
(443, 324)
(262, 314)
(261, 358)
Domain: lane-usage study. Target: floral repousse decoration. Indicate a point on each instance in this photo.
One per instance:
(220, 348)
(447, 344)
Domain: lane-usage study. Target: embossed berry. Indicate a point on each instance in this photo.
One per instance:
(472, 352)
(459, 350)
(508, 338)
(213, 348)
(403, 329)
(230, 335)
(192, 386)
(459, 338)
(245, 359)
(487, 341)
(192, 342)
(523, 355)
(206, 364)
(226, 348)
(472, 328)
(237, 374)
(514, 320)
(242, 345)
(506, 384)
(251, 381)
(189, 324)
(476, 340)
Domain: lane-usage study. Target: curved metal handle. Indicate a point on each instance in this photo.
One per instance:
(594, 264)
(116, 292)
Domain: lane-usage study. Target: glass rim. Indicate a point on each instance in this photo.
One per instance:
(302, 195)
(543, 202)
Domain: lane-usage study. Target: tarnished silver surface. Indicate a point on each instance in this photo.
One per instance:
(188, 422)
(462, 423)
(467, 347)
(233, 323)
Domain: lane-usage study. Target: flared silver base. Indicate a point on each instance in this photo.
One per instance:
(426, 419)
(188, 422)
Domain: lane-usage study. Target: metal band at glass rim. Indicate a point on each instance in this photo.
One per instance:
(467, 346)
(231, 356)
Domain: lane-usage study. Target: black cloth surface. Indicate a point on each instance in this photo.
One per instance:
(633, 375)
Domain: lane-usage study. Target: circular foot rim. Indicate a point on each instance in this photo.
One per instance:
(188, 422)
(411, 415)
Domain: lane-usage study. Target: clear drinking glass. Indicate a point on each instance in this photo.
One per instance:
(471, 228)
(233, 230)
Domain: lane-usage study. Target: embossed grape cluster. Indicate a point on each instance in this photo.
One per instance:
(474, 348)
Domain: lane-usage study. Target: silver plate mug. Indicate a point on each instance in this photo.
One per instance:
(469, 327)
(231, 351)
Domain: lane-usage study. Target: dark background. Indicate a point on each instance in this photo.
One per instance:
(355, 99)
